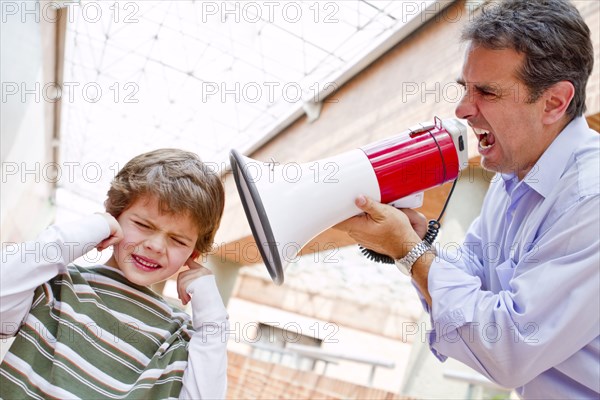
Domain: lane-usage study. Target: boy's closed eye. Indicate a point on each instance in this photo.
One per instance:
(179, 241)
(142, 225)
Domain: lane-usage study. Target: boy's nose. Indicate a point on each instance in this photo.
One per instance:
(156, 243)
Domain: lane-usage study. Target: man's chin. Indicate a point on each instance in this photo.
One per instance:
(489, 166)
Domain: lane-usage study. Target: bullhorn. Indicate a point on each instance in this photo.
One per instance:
(289, 204)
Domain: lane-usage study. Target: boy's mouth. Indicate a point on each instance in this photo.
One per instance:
(145, 263)
(485, 137)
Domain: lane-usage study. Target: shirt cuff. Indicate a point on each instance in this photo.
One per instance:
(207, 305)
(453, 299)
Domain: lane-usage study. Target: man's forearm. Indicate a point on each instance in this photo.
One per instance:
(420, 273)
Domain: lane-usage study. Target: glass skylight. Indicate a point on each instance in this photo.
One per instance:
(206, 76)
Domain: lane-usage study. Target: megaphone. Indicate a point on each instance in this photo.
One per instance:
(288, 204)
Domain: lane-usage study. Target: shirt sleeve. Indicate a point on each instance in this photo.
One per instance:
(549, 310)
(468, 258)
(206, 374)
(25, 266)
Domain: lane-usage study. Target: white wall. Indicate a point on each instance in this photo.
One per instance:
(26, 179)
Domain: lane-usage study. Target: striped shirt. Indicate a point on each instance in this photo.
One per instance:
(92, 334)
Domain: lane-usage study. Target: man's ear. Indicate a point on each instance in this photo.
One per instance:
(557, 100)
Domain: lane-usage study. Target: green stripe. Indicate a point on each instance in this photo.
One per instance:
(83, 339)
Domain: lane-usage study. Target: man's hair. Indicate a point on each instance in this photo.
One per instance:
(550, 33)
(181, 183)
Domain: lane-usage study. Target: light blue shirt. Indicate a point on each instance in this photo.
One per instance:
(520, 301)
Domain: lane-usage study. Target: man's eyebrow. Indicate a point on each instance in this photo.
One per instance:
(482, 87)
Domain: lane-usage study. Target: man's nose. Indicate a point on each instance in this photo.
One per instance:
(466, 107)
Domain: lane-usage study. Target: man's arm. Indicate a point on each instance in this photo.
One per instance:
(552, 302)
(548, 309)
(395, 232)
(27, 265)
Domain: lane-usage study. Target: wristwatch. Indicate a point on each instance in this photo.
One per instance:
(405, 263)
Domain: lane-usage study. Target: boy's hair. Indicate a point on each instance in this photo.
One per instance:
(550, 33)
(180, 181)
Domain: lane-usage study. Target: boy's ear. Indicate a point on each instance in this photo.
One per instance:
(558, 98)
(195, 254)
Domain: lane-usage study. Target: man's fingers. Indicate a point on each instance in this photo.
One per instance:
(376, 210)
(413, 215)
(373, 211)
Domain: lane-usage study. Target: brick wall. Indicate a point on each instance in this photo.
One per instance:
(254, 379)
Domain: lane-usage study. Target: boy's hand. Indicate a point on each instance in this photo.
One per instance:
(186, 277)
(116, 233)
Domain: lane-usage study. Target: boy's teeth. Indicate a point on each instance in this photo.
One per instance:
(146, 263)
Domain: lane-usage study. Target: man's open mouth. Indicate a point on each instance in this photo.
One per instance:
(486, 138)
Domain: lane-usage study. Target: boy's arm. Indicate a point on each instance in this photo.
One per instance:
(27, 265)
(206, 374)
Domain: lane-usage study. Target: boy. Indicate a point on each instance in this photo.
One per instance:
(101, 332)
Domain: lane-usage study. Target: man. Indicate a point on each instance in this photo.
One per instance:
(529, 318)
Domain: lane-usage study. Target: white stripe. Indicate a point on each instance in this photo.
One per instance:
(99, 375)
(102, 334)
(36, 379)
(161, 304)
(19, 383)
(52, 343)
(119, 287)
(99, 278)
(141, 327)
(124, 389)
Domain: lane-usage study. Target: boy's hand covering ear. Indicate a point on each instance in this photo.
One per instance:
(116, 233)
(184, 278)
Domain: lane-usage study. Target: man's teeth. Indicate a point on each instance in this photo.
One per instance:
(483, 138)
(483, 142)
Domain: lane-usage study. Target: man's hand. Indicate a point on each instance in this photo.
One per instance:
(184, 278)
(116, 233)
(385, 229)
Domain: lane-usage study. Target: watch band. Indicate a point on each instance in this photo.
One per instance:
(405, 264)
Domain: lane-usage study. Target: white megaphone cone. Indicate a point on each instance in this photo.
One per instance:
(289, 204)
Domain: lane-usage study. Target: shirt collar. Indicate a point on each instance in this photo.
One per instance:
(510, 181)
(549, 168)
